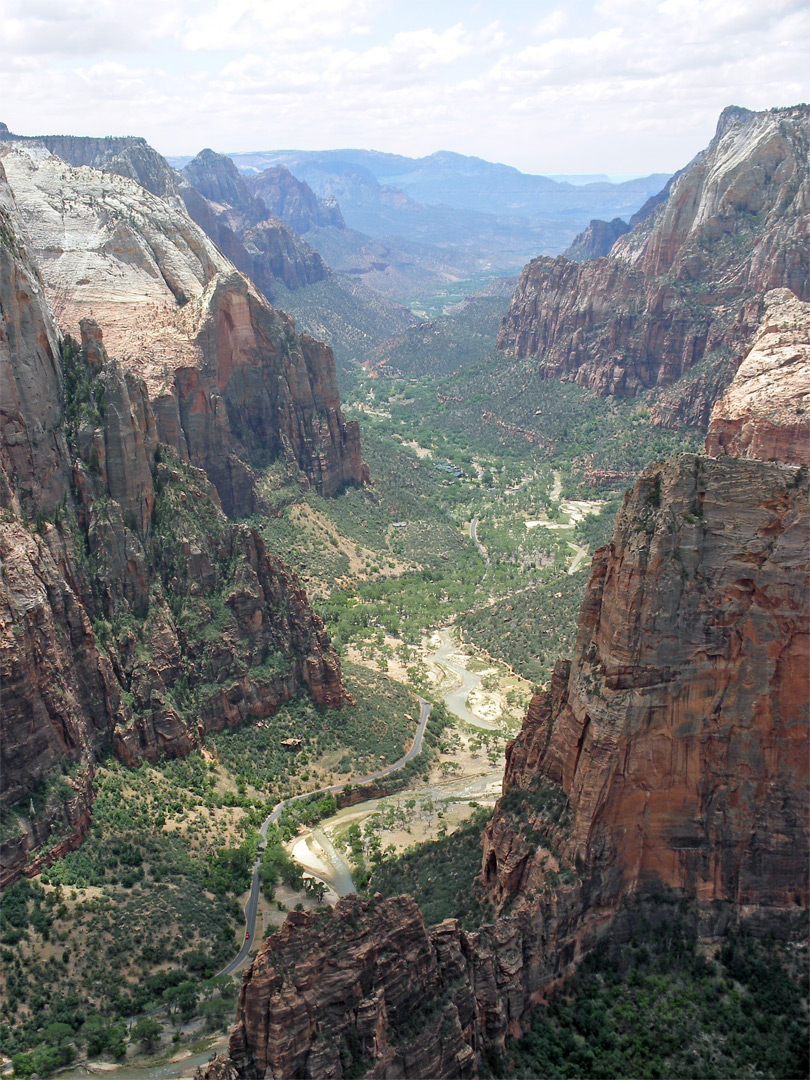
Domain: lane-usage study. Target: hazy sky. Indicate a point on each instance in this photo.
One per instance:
(614, 86)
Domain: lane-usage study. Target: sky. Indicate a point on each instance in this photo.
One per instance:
(593, 86)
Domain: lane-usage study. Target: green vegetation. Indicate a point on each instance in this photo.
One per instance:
(518, 418)
(321, 743)
(657, 1005)
(153, 885)
(532, 628)
(84, 398)
(440, 875)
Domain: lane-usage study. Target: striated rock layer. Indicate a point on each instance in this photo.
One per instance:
(350, 993)
(258, 243)
(669, 758)
(765, 413)
(117, 560)
(684, 286)
(680, 736)
(596, 240)
(231, 383)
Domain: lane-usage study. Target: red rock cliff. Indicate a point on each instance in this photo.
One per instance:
(765, 413)
(98, 523)
(680, 736)
(232, 384)
(684, 285)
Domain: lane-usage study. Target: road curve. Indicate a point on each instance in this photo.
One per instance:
(252, 905)
(474, 537)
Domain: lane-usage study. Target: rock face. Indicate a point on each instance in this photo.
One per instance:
(257, 242)
(346, 993)
(116, 556)
(680, 735)
(78, 149)
(596, 240)
(217, 178)
(765, 413)
(669, 758)
(685, 284)
(294, 201)
(231, 383)
(33, 453)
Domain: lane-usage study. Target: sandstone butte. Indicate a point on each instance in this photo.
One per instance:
(115, 511)
(682, 290)
(669, 757)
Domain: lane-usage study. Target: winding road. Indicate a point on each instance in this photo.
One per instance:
(252, 905)
(474, 537)
(456, 701)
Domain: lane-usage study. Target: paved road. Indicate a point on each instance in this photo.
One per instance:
(474, 536)
(253, 898)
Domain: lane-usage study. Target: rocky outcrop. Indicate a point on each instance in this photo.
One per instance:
(668, 759)
(117, 560)
(352, 993)
(596, 240)
(765, 413)
(140, 162)
(684, 286)
(258, 243)
(217, 178)
(294, 201)
(231, 383)
(277, 254)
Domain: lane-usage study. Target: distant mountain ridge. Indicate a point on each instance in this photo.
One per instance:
(484, 215)
(461, 181)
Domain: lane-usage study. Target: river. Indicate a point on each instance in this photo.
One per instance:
(339, 877)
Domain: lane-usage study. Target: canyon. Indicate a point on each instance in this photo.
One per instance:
(667, 761)
(669, 756)
(678, 296)
(153, 404)
(145, 381)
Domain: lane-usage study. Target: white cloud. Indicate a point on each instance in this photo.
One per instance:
(600, 85)
(83, 27)
(231, 24)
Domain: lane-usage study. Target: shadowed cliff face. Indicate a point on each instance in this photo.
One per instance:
(117, 558)
(685, 284)
(232, 385)
(256, 239)
(294, 201)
